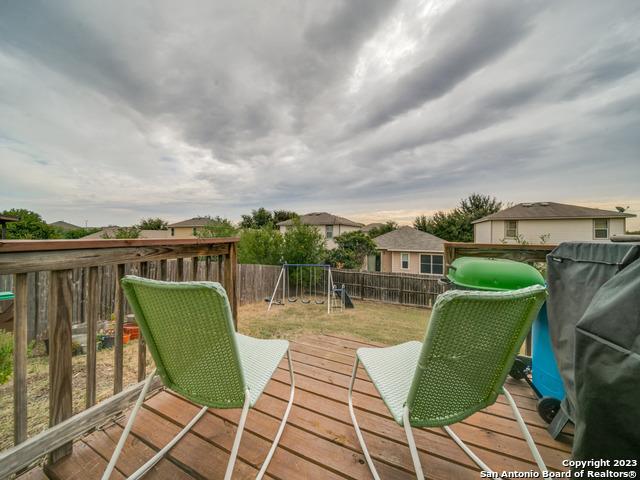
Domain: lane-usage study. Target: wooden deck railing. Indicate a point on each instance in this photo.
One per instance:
(60, 258)
(512, 251)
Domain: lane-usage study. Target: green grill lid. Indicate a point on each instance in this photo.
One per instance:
(492, 274)
(6, 296)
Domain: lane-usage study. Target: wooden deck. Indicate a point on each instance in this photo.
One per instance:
(319, 441)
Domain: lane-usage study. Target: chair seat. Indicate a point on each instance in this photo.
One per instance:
(391, 370)
(259, 359)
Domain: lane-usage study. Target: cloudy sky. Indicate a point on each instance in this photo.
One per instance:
(111, 111)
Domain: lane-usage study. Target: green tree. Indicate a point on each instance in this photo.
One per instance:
(353, 248)
(456, 225)
(282, 215)
(303, 244)
(152, 223)
(30, 226)
(261, 246)
(217, 227)
(257, 219)
(76, 233)
(387, 227)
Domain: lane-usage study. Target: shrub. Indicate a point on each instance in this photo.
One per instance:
(6, 356)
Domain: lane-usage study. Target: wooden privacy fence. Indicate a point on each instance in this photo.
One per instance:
(59, 259)
(401, 288)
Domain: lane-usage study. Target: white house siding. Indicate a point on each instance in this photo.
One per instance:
(337, 230)
(560, 230)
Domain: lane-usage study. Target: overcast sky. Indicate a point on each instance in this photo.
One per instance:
(112, 111)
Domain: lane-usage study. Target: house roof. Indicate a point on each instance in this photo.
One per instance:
(64, 225)
(409, 239)
(367, 228)
(111, 232)
(321, 218)
(551, 210)
(192, 222)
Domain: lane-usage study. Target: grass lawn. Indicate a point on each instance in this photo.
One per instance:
(389, 324)
(379, 322)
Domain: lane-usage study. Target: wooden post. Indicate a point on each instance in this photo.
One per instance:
(60, 310)
(119, 331)
(207, 268)
(142, 346)
(179, 269)
(20, 358)
(230, 273)
(91, 318)
(221, 259)
(194, 268)
(163, 269)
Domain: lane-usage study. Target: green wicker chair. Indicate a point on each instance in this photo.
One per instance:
(189, 331)
(470, 345)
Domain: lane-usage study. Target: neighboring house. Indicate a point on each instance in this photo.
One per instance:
(407, 250)
(64, 226)
(330, 226)
(188, 228)
(549, 222)
(110, 232)
(371, 226)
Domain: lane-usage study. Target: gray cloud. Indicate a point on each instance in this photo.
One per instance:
(110, 111)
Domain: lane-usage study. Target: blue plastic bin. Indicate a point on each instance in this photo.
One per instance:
(545, 374)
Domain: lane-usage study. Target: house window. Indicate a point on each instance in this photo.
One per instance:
(404, 261)
(511, 229)
(601, 228)
(432, 264)
(194, 231)
(329, 231)
(173, 232)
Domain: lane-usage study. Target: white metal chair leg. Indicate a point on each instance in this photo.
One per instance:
(412, 443)
(158, 456)
(467, 450)
(272, 450)
(367, 457)
(236, 441)
(127, 428)
(525, 431)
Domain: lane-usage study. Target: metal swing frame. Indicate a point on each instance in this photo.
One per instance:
(283, 279)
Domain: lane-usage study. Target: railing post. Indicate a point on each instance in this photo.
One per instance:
(142, 347)
(119, 331)
(194, 268)
(163, 269)
(230, 274)
(179, 269)
(20, 358)
(60, 309)
(207, 268)
(92, 313)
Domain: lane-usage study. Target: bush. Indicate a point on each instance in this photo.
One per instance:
(6, 356)
(261, 246)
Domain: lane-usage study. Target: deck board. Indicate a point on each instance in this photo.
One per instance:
(319, 441)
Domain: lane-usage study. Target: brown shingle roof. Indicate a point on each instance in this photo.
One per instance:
(64, 225)
(367, 228)
(322, 218)
(551, 210)
(192, 222)
(111, 232)
(409, 239)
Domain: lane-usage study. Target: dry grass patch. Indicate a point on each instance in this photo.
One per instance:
(378, 322)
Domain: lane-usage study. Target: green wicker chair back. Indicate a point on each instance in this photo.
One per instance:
(470, 345)
(189, 331)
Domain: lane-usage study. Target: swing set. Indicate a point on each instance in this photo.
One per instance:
(307, 283)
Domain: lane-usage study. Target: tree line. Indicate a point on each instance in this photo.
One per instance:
(261, 241)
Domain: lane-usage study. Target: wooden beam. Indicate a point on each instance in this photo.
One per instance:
(21, 456)
(179, 270)
(34, 261)
(229, 283)
(118, 351)
(512, 251)
(163, 269)
(20, 319)
(60, 372)
(91, 319)
(207, 268)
